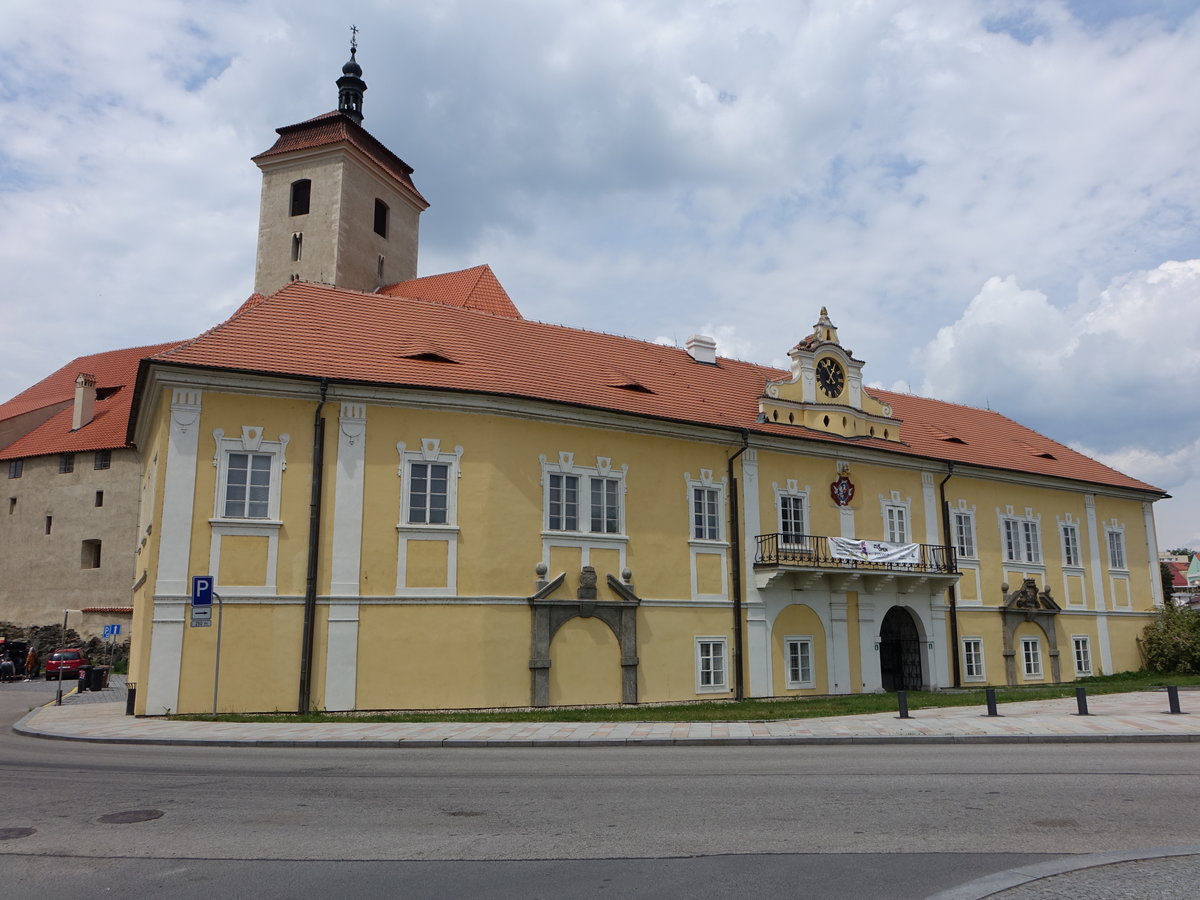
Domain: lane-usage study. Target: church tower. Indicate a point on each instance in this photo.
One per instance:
(337, 207)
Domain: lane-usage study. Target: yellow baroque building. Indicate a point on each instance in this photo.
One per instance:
(410, 497)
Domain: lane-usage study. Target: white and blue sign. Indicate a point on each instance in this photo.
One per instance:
(202, 590)
(111, 631)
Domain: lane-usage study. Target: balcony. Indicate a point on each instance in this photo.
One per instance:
(853, 564)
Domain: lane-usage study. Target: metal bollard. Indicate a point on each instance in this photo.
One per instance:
(991, 702)
(902, 699)
(1173, 700)
(1081, 700)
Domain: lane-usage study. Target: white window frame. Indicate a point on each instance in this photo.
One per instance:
(1031, 658)
(797, 680)
(1114, 539)
(786, 501)
(429, 452)
(602, 471)
(250, 442)
(706, 683)
(705, 546)
(706, 513)
(1068, 532)
(972, 649)
(706, 483)
(1081, 652)
(897, 518)
(962, 522)
(1021, 537)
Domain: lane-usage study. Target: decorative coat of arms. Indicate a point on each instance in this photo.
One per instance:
(842, 490)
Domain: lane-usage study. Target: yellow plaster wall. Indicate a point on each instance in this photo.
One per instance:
(798, 620)
(709, 579)
(1123, 632)
(427, 562)
(585, 664)
(667, 650)
(243, 560)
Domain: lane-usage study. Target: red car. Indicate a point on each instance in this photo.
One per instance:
(67, 660)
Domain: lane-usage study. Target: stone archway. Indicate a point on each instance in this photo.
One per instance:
(900, 666)
(1028, 604)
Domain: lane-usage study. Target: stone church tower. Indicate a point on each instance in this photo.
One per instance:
(338, 207)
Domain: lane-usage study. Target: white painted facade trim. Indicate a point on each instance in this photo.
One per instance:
(1093, 537)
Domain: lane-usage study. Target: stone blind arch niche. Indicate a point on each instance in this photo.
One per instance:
(548, 616)
(1028, 604)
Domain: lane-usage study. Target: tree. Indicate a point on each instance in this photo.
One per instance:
(1172, 641)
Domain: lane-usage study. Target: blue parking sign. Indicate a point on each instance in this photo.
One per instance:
(111, 631)
(202, 590)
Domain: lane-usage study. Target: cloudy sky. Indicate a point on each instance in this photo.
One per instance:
(998, 201)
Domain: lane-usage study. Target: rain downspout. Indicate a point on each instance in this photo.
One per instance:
(314, 554)
(951, 592)
(735, 549)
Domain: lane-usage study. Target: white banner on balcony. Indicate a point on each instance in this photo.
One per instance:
(875, 551)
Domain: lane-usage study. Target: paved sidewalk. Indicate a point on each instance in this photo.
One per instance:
(1143, 716)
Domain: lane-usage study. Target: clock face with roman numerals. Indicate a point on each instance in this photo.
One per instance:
(831, 376)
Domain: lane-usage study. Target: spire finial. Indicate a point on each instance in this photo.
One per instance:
(350, 85)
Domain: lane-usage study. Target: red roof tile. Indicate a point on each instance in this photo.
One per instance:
(476, 288)
(115, 372)
(334, 128)
(321, 332)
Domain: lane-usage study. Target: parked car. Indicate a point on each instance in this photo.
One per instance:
(68, 661)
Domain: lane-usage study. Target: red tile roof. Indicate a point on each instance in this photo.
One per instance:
(322, 332)
(115, 372)
(476, 288)
(334, 128)
(1178, 573)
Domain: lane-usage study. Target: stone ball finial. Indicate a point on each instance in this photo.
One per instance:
(541, 569)
(626, 575)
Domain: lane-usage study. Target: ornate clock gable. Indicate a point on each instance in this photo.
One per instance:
(825, 390)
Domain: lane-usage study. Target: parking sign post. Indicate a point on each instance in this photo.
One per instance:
(203, 594)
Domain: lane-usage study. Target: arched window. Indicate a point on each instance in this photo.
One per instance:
(301, 190)
(381, 218)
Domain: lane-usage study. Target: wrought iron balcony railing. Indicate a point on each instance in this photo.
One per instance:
(816, 552)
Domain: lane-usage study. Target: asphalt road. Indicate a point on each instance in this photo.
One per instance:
(860, 821)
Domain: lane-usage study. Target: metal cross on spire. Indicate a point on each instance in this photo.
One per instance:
(353, 39)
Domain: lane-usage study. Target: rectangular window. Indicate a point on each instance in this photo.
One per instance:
(710, 664)
(606, 506)
(15, 468)
(799, 662)
(1033, 544)
(973, 659)
(248, 486)
(706, 521)
(1083, 654)
(99, 498)
(89, 557)
(12, 505)
(1031, 655)
(1022, 542)
(428, 493)
(792, 519)
(1116, 550)
(49, 524)
(897, 524)
(102, 460)
(301, 195)
(381, 218)
(964, 534)
(564, 502)
(66, 463)
(1070, 539)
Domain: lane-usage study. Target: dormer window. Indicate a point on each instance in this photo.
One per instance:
(301, 190)
(381, 218)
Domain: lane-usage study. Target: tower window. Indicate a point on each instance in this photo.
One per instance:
(381, 218)
(103, 459)
(15, 468)
(297, 246)
(49, 524)
(301, 190)
(99, 498)
(89, 555)
(66, 463)
(379, 266)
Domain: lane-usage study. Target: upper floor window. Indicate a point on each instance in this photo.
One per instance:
(103, 459)
(584, 498)
(1070, 545)
(15, 468)
(793, 512)
(706, 518)
(1022, 537)
(89, 555)
(249, 474)
(297, 245)
(963, 524)
(381, 218)
(66, 463)
(431, 491)
(301, 191)
(1116, 546)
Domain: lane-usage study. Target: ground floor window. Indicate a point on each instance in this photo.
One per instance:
(1083, 654)
(973, 658)
(1031, 654)
(710, 664)
(799, 652)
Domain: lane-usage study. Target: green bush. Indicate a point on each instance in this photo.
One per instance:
(1172, 641)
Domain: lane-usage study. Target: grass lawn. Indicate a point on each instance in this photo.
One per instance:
(747, 710)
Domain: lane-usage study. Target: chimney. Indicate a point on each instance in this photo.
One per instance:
(702, 349)
(85, 400)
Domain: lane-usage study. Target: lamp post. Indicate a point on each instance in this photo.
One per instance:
(62, 644)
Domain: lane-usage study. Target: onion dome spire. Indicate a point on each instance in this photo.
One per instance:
(350, 85)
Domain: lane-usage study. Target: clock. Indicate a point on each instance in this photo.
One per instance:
(830, 376)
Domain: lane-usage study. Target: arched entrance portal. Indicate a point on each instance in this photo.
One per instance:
(900, 651)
